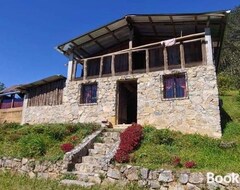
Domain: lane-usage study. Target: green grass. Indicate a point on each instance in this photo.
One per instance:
(10, 181)
(159, 147)
(41, 142)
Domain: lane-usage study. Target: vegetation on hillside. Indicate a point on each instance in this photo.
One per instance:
(2, 86)
(41, 141)
(229, 67)
(174, 150)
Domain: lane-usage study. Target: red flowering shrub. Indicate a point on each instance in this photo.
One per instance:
(176, 161)
(190, 164)
(130, 138)
(67, 147)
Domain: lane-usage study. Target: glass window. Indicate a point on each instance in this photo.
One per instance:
(174, 86)
(89, 93)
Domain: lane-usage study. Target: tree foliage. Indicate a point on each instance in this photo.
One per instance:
(230, 57)
(2, 86)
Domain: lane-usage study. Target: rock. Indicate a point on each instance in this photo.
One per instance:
(75, 182)
(32, 175)
(132, 174)
(192, 187)
(144, 173)
(43, 175)
(114, 173)
(166, 176)
(154, 184)
(24, 161)
(142, 183)
(183, 178)
(196, 178)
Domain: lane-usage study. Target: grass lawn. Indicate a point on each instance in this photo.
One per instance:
(42, 142)
(159, 148)
(11, 181)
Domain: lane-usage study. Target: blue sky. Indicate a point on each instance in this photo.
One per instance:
(29, 30)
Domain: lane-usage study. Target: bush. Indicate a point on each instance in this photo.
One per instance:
(33, 145)
(67, 147)
(176, 162)
(57, 132)
(129, 140)
(190, 164)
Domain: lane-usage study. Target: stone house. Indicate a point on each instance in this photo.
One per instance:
(157, 69)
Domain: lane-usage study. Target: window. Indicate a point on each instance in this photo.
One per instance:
(89, 93)
(174, 86)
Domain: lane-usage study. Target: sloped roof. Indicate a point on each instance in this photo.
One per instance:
(10, 90)
(162, 26)
(42, 82)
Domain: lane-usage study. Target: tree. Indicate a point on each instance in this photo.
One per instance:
(2, 86)
(230, 57)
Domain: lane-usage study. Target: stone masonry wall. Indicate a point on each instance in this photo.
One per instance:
(199, 112)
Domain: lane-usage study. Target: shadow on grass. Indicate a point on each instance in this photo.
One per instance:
(225, 118)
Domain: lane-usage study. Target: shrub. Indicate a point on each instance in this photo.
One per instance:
(129, 140)
(190, 164)
(57, 132)
(163, 136)
(176, 162)
(33, 145)
(67, 147)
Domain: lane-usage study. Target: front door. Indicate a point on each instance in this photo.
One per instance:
(127, 102)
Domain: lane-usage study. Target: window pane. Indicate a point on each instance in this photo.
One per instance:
(89, 93)
(180, 86)
(193, 52)
(173, 55)
(169, 88)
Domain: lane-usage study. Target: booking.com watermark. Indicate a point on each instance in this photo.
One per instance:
(229, 178)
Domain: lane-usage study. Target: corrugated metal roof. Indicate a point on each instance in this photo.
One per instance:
(163, 26)
(42, 82)
(11, 90)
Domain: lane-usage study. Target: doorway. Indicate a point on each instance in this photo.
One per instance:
(127, 102)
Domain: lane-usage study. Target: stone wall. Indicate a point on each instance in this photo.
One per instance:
(11, 115)
(199, 112)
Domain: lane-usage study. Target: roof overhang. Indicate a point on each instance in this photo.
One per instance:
(160, 26)
(42, 82)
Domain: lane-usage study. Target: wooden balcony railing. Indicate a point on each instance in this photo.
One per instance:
(187, 51)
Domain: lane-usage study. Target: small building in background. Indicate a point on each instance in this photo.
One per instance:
(11, 103)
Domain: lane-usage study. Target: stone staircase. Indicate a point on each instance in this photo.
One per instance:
(92, 169)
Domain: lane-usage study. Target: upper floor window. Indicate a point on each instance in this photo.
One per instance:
(174, 86)
(89, 93)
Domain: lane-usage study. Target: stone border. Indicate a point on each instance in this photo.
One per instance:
(75, 155)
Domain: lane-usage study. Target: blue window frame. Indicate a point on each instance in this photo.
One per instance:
(89, 93)
(174, 86)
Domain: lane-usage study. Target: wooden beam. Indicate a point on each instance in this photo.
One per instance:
(203, 44)
(165, 55)
(174, 28)
(182, 56)
(84, 69)
(113, 65)
(80, 48)
(153, 26)
(147, 60)
(96, 42)
(131, 36)
(112, 33)
(101, 67)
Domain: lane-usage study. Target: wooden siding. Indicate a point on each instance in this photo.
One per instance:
(46, 95)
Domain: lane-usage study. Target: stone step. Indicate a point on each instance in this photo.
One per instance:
(100, 152)
(114, 135)
(77, 182)
(87, 168)
(91, 159)
(109, 139)
(103, 145)
(90, 177)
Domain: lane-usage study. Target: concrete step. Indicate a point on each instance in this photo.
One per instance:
(77, 182)
(87, 168)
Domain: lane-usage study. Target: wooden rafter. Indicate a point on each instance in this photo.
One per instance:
(196, 24)
(174, 28)
(80, 48)
(112, 33)
(153, 26)
(96, 42)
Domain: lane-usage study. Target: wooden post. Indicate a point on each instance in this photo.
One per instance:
(70, 67)
(165, 58)
(74, 69)
(203, 52)
(182, 56)
(209, 51)
(12, 102)
(112, 65)
(130, 51)
(101, 67)
(85, 69)
(147, 60)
